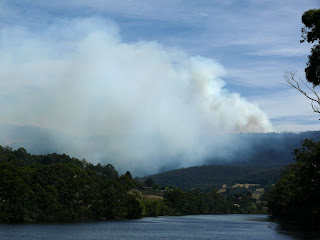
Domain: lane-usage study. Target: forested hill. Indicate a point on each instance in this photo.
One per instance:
(265, 157)
(208, 177)
(57, 187)
(264, 148)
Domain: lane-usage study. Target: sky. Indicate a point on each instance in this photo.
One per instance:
(153, 79)
(255, 41)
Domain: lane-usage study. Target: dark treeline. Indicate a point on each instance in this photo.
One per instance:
(268, 148)
(296, 197)
(56, 187)
(178, 202)
(208, 177)
(260, 164)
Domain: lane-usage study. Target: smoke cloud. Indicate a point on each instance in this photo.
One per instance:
(139, 106)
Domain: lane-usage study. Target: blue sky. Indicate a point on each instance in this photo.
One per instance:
(255, 41)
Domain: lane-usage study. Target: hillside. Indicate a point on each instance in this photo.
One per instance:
(207, 177)
(263, 148)
(260, 163)
(250, 158)
(57, 187)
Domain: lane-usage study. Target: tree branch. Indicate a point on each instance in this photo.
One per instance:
(290, 78)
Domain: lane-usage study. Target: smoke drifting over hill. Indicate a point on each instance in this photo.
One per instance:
(136, 105)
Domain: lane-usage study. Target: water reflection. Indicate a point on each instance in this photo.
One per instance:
(294, 231)
(234, 227)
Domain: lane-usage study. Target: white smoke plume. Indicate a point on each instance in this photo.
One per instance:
(139, 106)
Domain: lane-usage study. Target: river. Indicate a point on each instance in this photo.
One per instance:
(235, 227)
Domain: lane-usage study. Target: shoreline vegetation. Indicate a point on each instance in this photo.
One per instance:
(57, 187)
(295, 198)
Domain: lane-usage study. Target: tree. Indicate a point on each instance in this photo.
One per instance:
(57, 187)
(149, 182)
(296, 195)
(290, 77)
(128, 174)
(310, 33)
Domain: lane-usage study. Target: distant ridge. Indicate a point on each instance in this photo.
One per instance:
(261, 164)
(260, 156)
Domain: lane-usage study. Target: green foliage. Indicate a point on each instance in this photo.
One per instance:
(56, 187)
(313, 66)
(296, 195)
(311, 20)
(311, 33)
(149, 182)
(208, 177)
(177, 202)
(154, 207)
(195, 202)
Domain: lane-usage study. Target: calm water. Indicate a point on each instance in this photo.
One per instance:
(187, 227)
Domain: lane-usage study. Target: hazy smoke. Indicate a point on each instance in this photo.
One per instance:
(139, 106)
